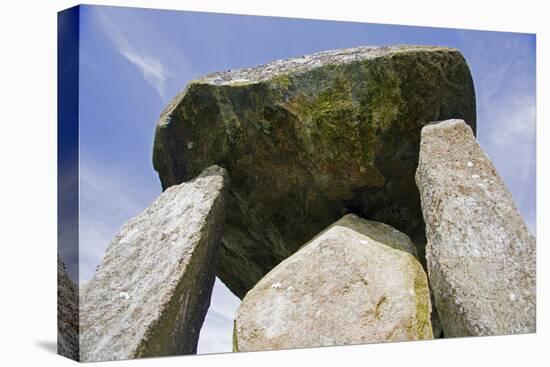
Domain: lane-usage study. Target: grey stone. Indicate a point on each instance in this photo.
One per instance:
(343, 287)
(480, 254)
(150, 293)
(67, 314)
(376, 231)
(390, 236)
(308, 139)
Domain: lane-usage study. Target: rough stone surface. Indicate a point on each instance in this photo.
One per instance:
(390, 236)
(480, 254)
(309, 139)
(67, 314)
(377, 231)
(343, 287)
(150, 294)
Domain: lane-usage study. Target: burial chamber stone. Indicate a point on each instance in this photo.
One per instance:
(354, 283)
(480, 253)
(308, 139)
(151, 291)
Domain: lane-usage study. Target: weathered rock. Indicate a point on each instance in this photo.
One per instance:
(67, 314)
(151, 292)
(388, 235)
(308, 139)
(343, 287)
(480, 254)
(376, 231)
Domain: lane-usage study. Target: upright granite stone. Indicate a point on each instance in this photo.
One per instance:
(150, 294)
(67, 314)
(308, 139)
(480, 254)
(353, 284)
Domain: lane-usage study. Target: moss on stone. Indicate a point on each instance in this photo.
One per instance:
(423, 324)
(306, 139)
(235, 339)
(281, 80)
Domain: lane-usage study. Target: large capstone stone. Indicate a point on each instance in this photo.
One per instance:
(308, 139)
(150, 293)
(344, 287)
(480, 254)
(67, 313)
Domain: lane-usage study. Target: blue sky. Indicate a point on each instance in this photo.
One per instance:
(132, 61)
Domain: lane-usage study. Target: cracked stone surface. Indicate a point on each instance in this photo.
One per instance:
(151, 291)
(355, 283)
(480, 254)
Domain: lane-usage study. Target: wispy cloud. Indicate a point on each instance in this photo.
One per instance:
(516, 123)
(152, 69)
(107, 200)
(512, 146)
(504, 73)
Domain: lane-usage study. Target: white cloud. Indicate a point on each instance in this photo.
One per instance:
(503, 69)
(107, 199)
(514, 125)
(154, 72)
(511, 145)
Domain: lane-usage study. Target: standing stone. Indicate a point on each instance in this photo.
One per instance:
(309, 138)
(346, 286)
(151, 292)
(480, 254)
(67, 314)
